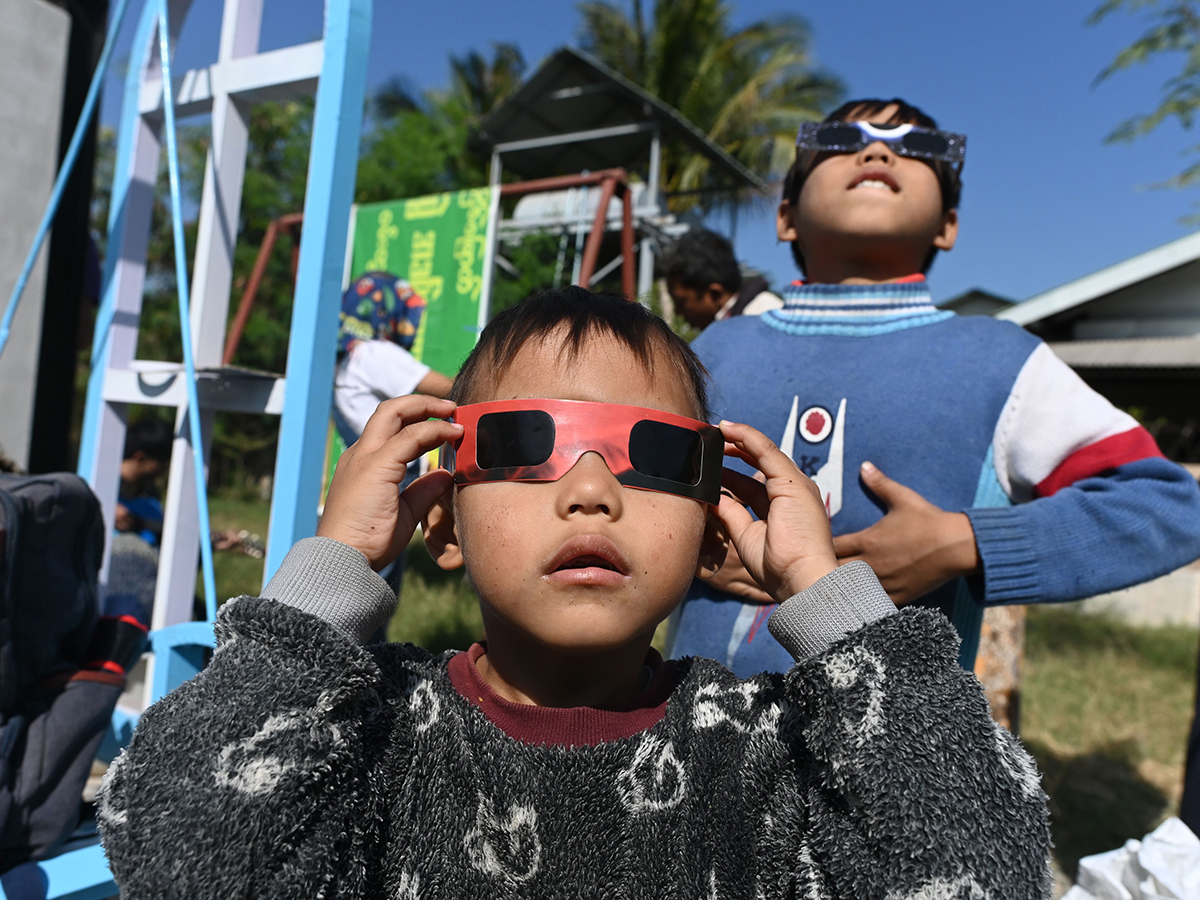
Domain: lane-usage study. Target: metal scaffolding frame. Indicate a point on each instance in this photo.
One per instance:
(574, 114)
(335, 68)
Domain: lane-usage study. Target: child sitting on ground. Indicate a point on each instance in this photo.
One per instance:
(563, 757)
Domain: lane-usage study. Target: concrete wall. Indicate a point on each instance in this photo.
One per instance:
(1173, 599)
(33, 52)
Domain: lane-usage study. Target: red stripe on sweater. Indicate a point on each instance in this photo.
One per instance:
(1108, 453)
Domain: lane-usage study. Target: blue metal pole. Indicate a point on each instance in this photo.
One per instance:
(185, 324)
(332, 166)
(64, 172)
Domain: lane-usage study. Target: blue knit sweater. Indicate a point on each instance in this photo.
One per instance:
(1067, 495)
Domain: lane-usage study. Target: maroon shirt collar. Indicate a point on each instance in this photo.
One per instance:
(573, 726)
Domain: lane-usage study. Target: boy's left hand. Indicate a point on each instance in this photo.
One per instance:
(916, 547)
(789, 547)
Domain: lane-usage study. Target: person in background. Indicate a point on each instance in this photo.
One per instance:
(380, 317)
(147, 455)
(957, 456)
(706, 284)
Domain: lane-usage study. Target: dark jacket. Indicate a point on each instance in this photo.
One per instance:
(301, 764)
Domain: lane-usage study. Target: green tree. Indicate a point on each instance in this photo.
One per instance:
(1172, 27)
(748, 89)
(421, 144)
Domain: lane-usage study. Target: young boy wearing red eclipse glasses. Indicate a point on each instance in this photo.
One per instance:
(563, 757)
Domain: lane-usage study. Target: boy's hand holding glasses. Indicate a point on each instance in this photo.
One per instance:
(364, 508)
(789, 547)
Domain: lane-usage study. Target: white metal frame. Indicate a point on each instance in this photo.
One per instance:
(656, 228)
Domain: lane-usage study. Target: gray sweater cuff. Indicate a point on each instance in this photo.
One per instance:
(333, 581)
(842, 602)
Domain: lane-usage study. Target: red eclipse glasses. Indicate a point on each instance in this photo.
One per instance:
(540, 440)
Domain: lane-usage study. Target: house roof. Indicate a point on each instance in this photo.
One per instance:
(976, 302)
(1131, 353)
(1113, 278)
(573, 92)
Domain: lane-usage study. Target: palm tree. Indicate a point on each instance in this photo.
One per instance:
(477, 86)
(419, 142)
(748, 89)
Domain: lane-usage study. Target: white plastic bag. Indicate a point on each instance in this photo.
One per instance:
(1165, 865)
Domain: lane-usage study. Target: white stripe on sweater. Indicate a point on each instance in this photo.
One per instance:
(1050, 414)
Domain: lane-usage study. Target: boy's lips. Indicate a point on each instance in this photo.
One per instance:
(880, 175)
(587, 559)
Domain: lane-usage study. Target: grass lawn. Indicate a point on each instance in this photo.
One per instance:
(438, 610)
(235, 572)
(1106, 709)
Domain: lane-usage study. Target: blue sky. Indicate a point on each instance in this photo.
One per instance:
(1045, 200)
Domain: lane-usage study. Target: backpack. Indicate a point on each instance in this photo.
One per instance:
(54, 709)
(52, 539)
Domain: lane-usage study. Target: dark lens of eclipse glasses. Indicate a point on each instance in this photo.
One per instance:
(659, 450)
(505, 440)
(839, 136)
(925, 143)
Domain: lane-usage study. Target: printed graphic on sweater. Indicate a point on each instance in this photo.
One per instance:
(255, 765)
(734, 706)
(424, 704)
(655, 779)
(409, 887)
(504, 846)
(815, 426)
(853, 667)
(962, 888)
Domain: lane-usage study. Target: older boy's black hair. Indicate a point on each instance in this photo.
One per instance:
(152, 436)
(700, 258)
(577, 314)
(949, 177)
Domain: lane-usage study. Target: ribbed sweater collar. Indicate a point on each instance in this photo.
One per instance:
(855, 309)
(578, 726)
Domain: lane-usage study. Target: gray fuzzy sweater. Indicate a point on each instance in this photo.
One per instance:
(303, 764)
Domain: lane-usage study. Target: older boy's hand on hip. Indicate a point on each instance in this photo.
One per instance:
(789, 547)
(732, 578)
(916, 547)
(365, 508)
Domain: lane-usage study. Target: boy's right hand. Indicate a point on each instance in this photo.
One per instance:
(365, 508)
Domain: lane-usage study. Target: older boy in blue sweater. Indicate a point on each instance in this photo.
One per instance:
(1014, 481)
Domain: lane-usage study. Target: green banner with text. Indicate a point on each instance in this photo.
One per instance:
(438, 243)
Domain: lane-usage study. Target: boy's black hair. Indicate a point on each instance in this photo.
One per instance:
(578, 314)
(949, 177)
(152, 436)
(700, 258)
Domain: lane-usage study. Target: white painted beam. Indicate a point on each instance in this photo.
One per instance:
(223, 391)
(276, 75)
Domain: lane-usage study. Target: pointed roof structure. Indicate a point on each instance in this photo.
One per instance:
(575, 114)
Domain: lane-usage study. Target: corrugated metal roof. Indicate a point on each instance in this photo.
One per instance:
(1131, 353)
(573, 92)
(1113, 278)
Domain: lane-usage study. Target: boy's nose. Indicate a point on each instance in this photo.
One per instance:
(876, 151)
(589, 488)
